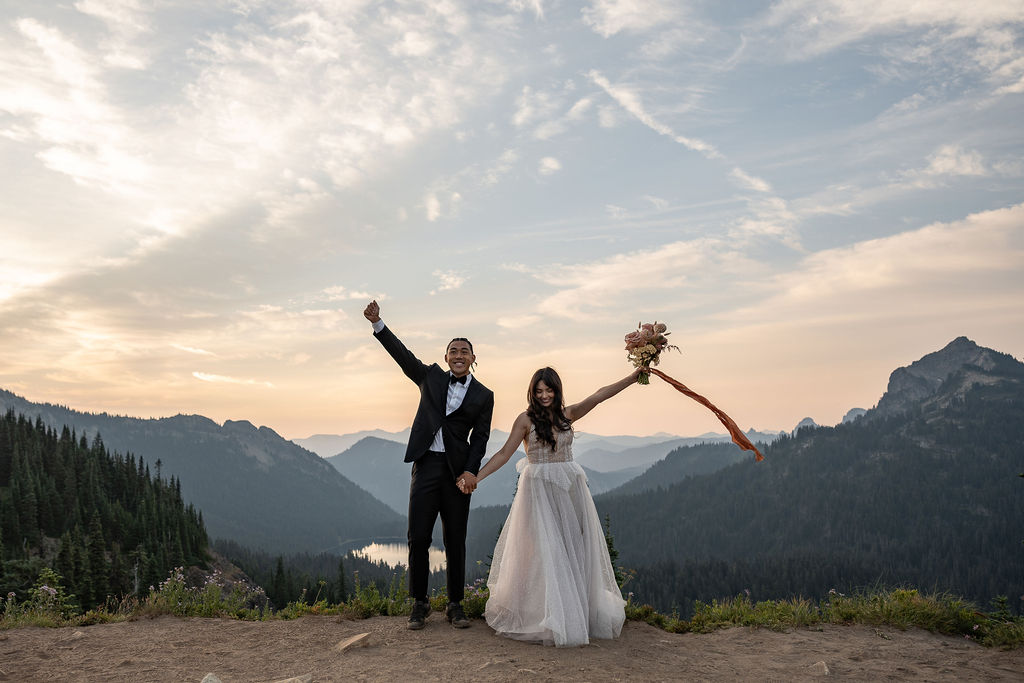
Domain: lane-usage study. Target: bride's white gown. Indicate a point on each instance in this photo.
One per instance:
(551, 579)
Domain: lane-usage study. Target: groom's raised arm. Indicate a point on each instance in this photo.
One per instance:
(412, 366)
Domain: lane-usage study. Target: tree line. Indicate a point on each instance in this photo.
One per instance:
(106, 523)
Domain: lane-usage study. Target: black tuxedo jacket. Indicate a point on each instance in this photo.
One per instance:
(465, 431)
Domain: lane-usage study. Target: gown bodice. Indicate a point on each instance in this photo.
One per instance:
(539, 452)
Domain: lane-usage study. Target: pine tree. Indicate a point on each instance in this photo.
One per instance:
(279, 586)
(342, 589)
(99, 575)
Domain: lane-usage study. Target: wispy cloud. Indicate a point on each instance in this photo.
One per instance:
(449, 280)
(340, 293)
(609, 17)
(629, 101)
(189, 349)
(223, 379)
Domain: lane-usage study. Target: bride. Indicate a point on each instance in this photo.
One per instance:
(551, 579)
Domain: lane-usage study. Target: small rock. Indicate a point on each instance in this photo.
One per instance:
(360, 640)
(210, 678)
(820, 669)
(304, 678)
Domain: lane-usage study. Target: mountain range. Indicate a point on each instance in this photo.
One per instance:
(252, 485)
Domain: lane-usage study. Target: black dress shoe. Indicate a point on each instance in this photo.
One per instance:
(456, 616)
(418, 618)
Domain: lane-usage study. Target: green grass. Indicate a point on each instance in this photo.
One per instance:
(900, 608)
(47, 605)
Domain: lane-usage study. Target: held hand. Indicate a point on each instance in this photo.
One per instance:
(466, 482)
(372, 312)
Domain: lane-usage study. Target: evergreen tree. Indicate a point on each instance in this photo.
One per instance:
(99, 577)
(279, 588)
(342, 590)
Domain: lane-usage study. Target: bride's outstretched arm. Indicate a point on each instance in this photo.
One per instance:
(518, 433)
(578, 410)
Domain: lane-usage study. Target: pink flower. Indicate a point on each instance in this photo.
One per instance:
(633, 339)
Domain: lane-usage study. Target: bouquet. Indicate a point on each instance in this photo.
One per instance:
(645, 345)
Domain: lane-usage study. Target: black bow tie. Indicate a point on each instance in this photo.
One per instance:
(452, 379)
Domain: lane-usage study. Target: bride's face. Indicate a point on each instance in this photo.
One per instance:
(544, 394)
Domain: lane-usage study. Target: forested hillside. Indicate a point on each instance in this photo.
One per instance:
(105, 522)
(927, 496)
(252, 486)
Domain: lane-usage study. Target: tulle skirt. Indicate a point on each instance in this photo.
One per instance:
(551, 579)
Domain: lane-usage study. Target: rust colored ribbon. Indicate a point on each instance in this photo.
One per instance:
(738, 437)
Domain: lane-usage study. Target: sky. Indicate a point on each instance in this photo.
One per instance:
(199, 199)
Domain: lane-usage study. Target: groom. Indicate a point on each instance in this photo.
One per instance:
(447, 442)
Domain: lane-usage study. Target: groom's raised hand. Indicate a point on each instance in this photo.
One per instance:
(372, 312)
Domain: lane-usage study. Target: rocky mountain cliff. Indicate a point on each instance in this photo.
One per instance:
(962, 361)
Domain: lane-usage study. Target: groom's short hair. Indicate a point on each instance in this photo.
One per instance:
(459, 339)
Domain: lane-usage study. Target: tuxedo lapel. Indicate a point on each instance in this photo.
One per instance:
(438, 386)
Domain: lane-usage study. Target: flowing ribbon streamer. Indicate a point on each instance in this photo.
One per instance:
(738, 437)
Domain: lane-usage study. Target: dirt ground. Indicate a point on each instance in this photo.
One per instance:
(307, 649)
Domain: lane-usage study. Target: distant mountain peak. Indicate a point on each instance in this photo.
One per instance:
(923, 378)
(806, 422)
(852, 414)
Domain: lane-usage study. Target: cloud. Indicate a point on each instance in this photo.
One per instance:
(750, 181)
(339, 293)
(449, 280)
(588, 289)
(631, 102)
(518, 321)
(609, 17)
(967, 36)
(272, 320)
(936, 270)
(616, 212)
(433, 207)
(532, 106)
(126, 21)
(537, 6)
(954, 161)
(189, 349)
(222, 379)
(549, 166)
(55, 89)
(658, 202)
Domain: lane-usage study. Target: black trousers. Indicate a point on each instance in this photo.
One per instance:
(432, 491)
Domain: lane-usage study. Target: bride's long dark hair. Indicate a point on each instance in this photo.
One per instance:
(547, 420)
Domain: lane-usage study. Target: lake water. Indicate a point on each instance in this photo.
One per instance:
(395, 554)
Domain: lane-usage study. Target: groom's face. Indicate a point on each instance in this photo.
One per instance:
(459, 357)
